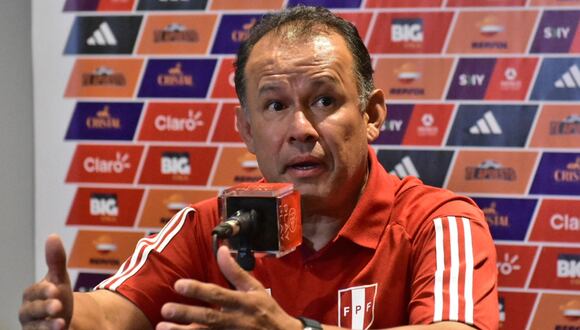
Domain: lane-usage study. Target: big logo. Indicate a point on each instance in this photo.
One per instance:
(558, 173)
(103, 35)
(557, 32)
(558, 80)
(177, 78)
(557, 268)
(104, 121)
(430, 166)
(492, 125)
(173, 165)
(508, 218)
(105, 207)
(356, 306)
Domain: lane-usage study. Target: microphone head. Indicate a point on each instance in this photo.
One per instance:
(278, 228)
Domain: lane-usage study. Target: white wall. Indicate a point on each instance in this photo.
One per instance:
(16, 158)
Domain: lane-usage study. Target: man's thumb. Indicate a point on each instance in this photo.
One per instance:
(55, 256)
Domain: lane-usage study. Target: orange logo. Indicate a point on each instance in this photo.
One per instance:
(102, 249)
(558, 127)
(104, 163)
(416, 78)
(177, 121)
(557, 311)
(492, 32)
(105, 207)
(492, 171)
(225, 130)
(174, 165)
(225, 85)
(177, 34)
(235, 166)
(103, 78)
(161, 205)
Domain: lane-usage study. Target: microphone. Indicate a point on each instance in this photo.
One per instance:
(259, 217)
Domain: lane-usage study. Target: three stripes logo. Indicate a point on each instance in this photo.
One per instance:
(405, 168)
(486, 125)
(570, 78)
(103, 36)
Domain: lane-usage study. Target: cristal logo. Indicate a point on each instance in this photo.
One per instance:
(174, 124)
(493, 218)
(175, 77)
(175, 163)
(103, 119)
(98, 165)
(103, 205)
(509, 264)
(570, 174)
(565, 222)
(568, 266)
(242, 35)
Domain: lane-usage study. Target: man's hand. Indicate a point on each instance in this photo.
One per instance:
(250, 307)
(48, 304)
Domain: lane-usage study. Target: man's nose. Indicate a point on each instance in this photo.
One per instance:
(302, 127)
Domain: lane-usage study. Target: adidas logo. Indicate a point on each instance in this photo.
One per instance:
(486, 125)
(103, 36)
(570, 79)
(405, 168)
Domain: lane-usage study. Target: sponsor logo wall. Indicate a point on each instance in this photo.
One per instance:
(483, 99)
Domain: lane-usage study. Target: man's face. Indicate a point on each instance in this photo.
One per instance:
(303, 120)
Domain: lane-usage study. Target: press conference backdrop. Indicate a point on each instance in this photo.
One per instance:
(134, 119)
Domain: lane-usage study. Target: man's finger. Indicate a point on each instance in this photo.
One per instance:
(39, 310)
(41, 290)
(238, 277)
(55, 256)
(210, 293)
(193, 315)
(56, 324)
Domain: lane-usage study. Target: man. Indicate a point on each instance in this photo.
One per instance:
(378, 252)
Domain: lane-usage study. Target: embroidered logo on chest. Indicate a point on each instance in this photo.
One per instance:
(356, 306)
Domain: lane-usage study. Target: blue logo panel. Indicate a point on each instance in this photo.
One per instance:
(172, 5)
(103, 35)
(492, 125)
(81, 5)
(556, 32)
(430, 166)
(471, 78)
(177, 78)
(508, 218)
(326, 3)
(232, 31)
(104, 121)
(87, 281)
(558, 80)
(557, 174)
(395, 125)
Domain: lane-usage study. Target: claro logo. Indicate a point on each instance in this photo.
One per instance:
(175, 124)
(99, 165)
(565, 222)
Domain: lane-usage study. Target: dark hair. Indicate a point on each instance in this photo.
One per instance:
(304, 22)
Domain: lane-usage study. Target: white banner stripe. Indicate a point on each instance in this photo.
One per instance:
(468, 292)
(357, 309)
(150, 248)
(438, 286)
(454, 273)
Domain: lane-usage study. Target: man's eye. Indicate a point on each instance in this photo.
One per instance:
(276, 106)
(324, 101)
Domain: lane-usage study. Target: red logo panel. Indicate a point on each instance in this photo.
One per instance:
(105, 207)
(402, 4)
(557, 268)
(226, 130)
(513, 264)
(224, 85)
(104, 163)
(178, 165)
(557, 221)
(428, 124)
(511, 78)
(515, 309)
(360, 20)
(177, 122)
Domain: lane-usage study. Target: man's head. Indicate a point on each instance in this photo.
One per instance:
(305, 22)
(302, 115)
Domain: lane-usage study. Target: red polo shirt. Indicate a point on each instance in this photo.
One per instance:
(408, 254)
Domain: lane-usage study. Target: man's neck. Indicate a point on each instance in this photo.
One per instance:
(319, 230)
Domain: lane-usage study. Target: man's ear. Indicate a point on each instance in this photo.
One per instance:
(244, 128)
(375, 114)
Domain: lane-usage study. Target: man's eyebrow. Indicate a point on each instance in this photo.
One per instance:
(269, 87)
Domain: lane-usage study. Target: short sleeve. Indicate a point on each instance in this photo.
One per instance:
(454, 274)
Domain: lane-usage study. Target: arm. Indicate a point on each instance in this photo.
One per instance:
(49, 302)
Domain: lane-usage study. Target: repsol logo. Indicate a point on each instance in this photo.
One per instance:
(103, 205)
(175, 163)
